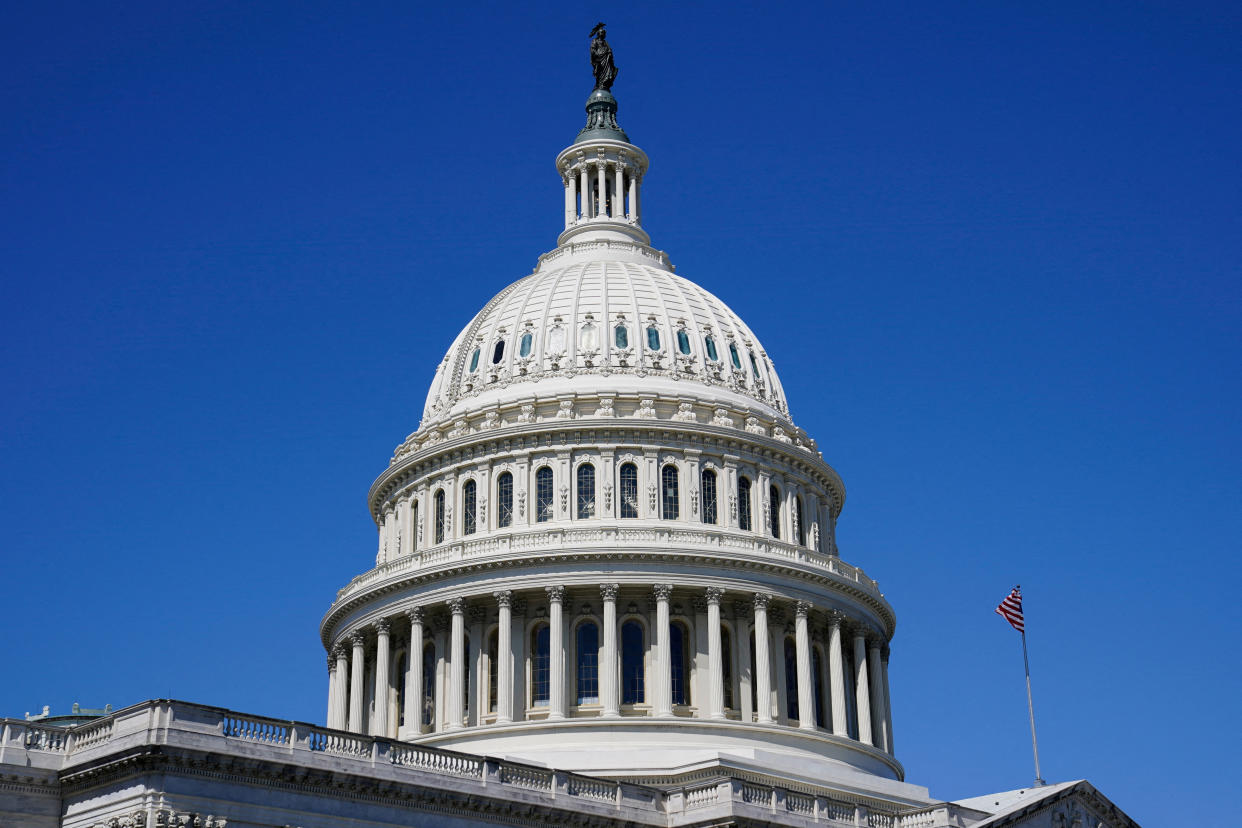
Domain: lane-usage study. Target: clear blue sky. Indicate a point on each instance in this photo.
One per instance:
(993, 251)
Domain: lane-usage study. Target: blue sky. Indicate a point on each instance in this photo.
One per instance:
(993, 251)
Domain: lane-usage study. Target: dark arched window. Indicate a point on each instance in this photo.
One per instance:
(474, 360)
(669, 503)
(588, 663)
(709, 344)
(439, 516)
(493, 670)
(754, 678)
(707, 483)
(621, 336)
(526, 344)
(726, 665)
(791, 679)
(629, 490)
(414, 531)
(679, 667)
(586, 491)
(774, 512)
(429, 682)
(469, 507)
(653, 338)
(540, 667)
(504, 500)
(543, 495)
(402, 669)
(817, 680)
(633, 676)
(498, 352)
(465, 690)
(798, 520)
(683, 341)
(734, 358)
(743, 503)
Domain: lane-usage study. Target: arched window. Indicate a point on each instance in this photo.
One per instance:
(726, 665)
(629, 490)
(734, 358)
(679, 666)
(621, 336)
(504, 500)
(791, 679)
(707, 483)
(402, 669)
(474, 360)
(526, 344)
(498, 352)
(588, 663)
(683, 341)
(743, 503)
(586, 491)
(653, 338)
(817, 681)
(556, 340)
(540, 667)
(469, 507)
(774, 512)
(754, 366)
(633, 676)
(439, 516)
(543, 495)
(669, 505)
(493, 670)
(429, 682)
(709, 344)
(799, 522)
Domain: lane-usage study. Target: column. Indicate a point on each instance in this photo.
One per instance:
(340, 711)
(407, 525)
(504, 657)
(570, 198)
(742, 611)
(331, 691)
(877, 694)
(763, 664)
(382, 659)
(715, 662)
(608, 683)
(700, 671)
(601, 200)
(356, 691)
(663, 677)
(806, 692)
(457, 663)
(618, 193)
(440, 638)
(836, 672)
(632, 215)
(414, 673)
(888, 703)
(584, 191)
(518, 662)
(556, 653)
(863, 695)
(477, 693)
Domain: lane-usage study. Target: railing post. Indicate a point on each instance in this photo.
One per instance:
(560, 784)
(491, 771)
(860, 816)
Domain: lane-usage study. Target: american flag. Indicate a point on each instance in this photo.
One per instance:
(1011, 609)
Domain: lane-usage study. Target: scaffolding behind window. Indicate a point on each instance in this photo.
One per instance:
(629, 490)
(543, 495)
(669, 503)
(707, 484)
(586, 491)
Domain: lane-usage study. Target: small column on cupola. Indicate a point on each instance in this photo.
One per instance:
(602, 171)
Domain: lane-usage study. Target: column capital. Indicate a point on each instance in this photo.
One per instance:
(762, 599)
(858, 631)
(457, 606)
(555, 593)
(357, 638)
(609, 591)
(504, 597)
(713, 595)
(415, 615)
(331, 663)
(339, 651)
(382, 626)
(835, 619)
(875, 640)
(662, 591)
(802, 609)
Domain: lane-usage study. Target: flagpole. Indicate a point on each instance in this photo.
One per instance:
(1030, 706)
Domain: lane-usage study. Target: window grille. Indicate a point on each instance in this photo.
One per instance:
(707, 484)
(504, 500)
(774, 512)
(540, 668)
(543, 495)
(439, 534)
(629, 490)
(669, 504)
(633, 676)
(743, 503)
(586, 491)
(469, 507)
(588, 663)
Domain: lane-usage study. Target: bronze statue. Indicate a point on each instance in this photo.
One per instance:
(601, 59)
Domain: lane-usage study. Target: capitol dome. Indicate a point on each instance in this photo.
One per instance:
(607, 548)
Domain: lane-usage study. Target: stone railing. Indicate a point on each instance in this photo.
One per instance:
(513, 543)
(175, 725)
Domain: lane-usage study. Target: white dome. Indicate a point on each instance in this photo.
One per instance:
(558, 329)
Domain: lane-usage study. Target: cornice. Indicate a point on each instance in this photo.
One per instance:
(533, 560)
